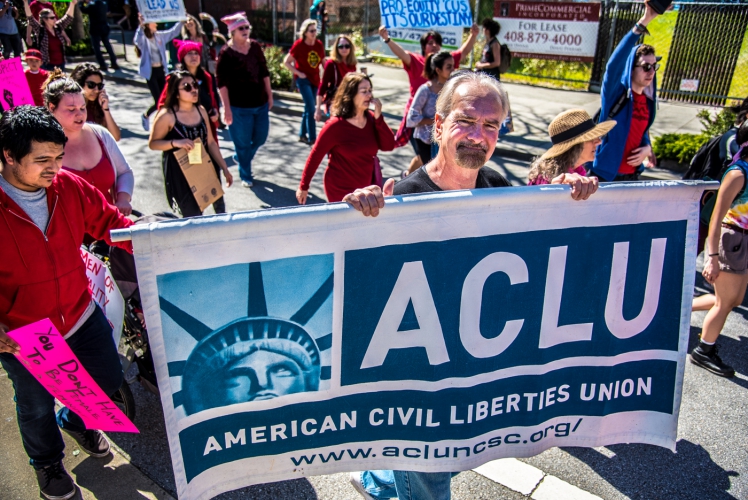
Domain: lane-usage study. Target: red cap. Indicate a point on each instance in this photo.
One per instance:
(33, 54)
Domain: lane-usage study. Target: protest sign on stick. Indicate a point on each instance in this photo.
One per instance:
(425, 14)
(47, 356)
(443, 334)
(14, 88)
(159, 11)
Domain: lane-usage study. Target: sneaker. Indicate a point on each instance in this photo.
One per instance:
(706, 356)
(358, 486)
(303, 138)
(91, 441)
(114, 66)
(55, 483)
(145, 122)
(247, 184)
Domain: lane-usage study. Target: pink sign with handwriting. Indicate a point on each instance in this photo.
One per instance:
(14, 88)
(47, 356)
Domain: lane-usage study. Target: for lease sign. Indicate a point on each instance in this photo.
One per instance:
(543, 30)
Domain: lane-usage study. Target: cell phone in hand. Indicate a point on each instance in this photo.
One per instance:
(660, 6)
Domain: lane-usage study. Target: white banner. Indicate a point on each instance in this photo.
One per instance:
(105, 292)
(158, 11)
(549, 30)
(454, 329)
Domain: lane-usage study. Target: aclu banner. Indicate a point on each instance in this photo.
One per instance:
(454, 329)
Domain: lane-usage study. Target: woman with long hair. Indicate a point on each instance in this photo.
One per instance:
(91, 152)
(575, 138)
(244, 86)
(490, 58)
(151, 47)
(91, 80)
(189, 57)
(177, 125)
(352, 137)
(437, 70)
(342, 61)
(306, 56)
(49, 34)
(192, 31)
(726, 257)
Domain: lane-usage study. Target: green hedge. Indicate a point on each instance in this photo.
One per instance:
(280, 77)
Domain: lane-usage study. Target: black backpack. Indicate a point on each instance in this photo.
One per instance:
(506, 58)
(707, 162)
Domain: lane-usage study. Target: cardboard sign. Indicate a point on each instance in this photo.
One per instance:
(157, 11)
(14, 88)
(432, 14)
(549, 30)
(439, 336)
(47, 356)
(202, 178)
(104, 291)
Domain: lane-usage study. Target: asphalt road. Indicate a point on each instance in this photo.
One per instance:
(712, 450)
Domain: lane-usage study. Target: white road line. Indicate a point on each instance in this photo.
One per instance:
(531, 481)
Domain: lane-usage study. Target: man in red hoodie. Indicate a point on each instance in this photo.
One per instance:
(44, 213)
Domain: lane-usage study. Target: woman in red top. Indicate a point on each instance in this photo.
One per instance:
(49, 33)
(352, 137)
(91, 152)
(91, 80)
(342, 61)
(306, 56)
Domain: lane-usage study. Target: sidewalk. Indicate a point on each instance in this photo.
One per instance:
(533, 108)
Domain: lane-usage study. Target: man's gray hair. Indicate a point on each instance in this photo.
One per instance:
(446, 96)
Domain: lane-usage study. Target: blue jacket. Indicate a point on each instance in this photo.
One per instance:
(161, 38)
(616, 82)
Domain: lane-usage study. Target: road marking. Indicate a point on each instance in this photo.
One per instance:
(528, 480)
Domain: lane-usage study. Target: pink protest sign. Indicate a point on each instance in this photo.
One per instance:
(14, 88)
(47, 356)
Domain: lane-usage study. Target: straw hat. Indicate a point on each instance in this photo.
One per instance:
(574, 127)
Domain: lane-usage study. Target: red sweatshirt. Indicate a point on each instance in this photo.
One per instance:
(43, 275)
(352, 151)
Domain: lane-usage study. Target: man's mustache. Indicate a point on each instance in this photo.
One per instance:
(473, 146)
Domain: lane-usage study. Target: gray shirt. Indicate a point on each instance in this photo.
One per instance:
(33, 203)
(424, 106)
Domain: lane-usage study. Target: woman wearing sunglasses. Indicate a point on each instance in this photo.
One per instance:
(178, 124)
(90, 152)
(91, 80)
(306, 56)
(342, 61)
(189, 56)
(49, 34)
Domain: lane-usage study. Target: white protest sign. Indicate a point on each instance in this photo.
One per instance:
(105, 292)
(549, 30)
(157, 11)
(427, 14)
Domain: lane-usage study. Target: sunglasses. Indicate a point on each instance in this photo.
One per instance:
(189, 87)
(90, 84)
(647, 67)
(244, 28)
(344, 46)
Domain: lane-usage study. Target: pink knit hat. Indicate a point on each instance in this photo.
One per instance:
(235, 20)
(185, 46)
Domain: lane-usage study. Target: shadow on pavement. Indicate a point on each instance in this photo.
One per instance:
(637, 471)
(119, 482)
(273, 195)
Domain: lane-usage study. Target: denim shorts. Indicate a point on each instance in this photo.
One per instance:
(733, 250)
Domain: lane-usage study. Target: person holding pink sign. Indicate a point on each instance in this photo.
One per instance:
(44, 213)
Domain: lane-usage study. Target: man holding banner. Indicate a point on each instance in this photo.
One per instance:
(431, 43)
(45, 212)
(469, 113)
